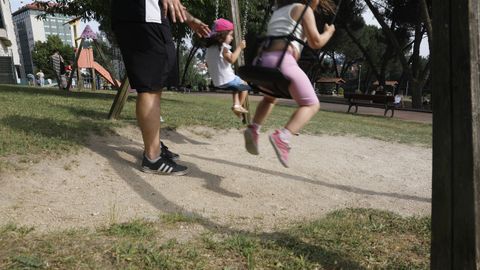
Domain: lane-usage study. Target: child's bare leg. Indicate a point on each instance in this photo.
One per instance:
(242, 97)
(264, 109)
(236, 99)
(301, 117)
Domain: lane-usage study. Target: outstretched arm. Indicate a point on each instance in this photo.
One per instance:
(178, 11)
(314, 38)
(233, 57)
(200, 28)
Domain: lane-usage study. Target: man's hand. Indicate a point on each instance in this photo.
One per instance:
(175, 9)
(200, 28)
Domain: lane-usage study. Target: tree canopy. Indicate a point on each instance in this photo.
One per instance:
(391, 52)
(43, 50)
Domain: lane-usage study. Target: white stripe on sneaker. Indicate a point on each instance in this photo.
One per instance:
(160, 169)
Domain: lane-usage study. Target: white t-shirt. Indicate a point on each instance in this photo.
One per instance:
(282, 24)
(220, 70)
(398, 99)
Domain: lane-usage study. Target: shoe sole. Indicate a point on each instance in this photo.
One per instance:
(180, 173)
(277, 151)
(249, 145)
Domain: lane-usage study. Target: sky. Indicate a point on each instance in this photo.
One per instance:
(16, 4)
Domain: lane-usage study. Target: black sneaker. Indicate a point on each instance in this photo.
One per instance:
(163, 166)
(167, 153)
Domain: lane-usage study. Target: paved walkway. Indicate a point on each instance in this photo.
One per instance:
(421, 117)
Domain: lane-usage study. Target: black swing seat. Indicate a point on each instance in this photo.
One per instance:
(269, 81)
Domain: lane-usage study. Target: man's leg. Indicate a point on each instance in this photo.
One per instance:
(148, 118)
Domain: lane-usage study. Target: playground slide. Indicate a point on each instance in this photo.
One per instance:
(104, 73)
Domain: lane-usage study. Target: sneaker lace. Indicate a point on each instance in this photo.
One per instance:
(165, 149)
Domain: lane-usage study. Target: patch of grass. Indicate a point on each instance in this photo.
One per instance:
(173, 218)
(344, 239)
(43, 120)
(28, 262)
(213, 112)
(135, 228)
(18, 230)
(48, 121)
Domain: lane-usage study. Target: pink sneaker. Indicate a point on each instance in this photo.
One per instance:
(251, 140)
(281, 148)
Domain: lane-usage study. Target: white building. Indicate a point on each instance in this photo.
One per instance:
(9, 57)
(30, 29)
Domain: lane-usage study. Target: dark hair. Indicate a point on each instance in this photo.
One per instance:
(324, 6)
(217, 38)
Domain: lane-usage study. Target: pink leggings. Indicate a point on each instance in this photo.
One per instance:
(300, 88)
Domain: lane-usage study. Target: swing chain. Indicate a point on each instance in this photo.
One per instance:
(217, 4)
(245, 18)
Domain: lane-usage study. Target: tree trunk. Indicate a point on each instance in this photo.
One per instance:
(178, 59)
(191, 55)
(415, 81)
(335, 65)
(427, 20)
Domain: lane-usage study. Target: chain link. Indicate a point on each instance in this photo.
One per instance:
(217, 4)
(245, 19)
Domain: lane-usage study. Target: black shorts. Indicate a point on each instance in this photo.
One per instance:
(149, 55)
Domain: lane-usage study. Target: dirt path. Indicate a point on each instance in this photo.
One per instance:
(227, 186)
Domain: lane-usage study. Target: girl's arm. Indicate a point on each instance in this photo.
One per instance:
(232, 57)
(314, 38)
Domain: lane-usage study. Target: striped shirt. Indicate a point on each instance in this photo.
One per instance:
(137, 11)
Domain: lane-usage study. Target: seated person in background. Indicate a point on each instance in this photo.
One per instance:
(398, 100)
(379, 91)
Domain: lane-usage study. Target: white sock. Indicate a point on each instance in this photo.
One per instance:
(153, 160)
(285, 135)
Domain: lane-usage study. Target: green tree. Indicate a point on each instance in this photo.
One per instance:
(412, 17)
(43, 50)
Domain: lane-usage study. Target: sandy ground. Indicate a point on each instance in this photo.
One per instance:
(226, 186)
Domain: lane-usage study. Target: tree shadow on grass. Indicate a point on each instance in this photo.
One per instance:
(56, 92)
(71, 132)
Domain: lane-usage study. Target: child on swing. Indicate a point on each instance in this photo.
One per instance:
(219, 62)
(282, 23)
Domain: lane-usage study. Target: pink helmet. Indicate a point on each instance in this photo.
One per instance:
(222, 25)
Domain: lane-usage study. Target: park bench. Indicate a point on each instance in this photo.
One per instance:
(377, 101)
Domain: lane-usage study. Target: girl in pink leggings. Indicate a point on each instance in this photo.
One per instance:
(282, 23)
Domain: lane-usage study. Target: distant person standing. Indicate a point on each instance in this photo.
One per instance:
(58, 65)
(41, 78)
